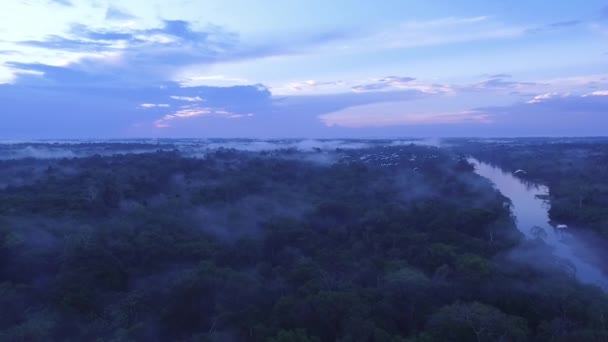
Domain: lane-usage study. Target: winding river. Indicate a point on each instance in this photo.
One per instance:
(531, 211)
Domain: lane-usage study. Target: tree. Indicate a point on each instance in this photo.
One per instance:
(476, 322)
(293, 336)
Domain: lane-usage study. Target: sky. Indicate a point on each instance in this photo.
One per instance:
(302, 69)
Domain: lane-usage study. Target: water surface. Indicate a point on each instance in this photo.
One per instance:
(531, 211)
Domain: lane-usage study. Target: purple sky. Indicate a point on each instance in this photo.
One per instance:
(270, 69)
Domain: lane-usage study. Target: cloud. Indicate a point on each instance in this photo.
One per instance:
(162, 53)
(499, 83)
(312, 87)
(115, 14)
(391, 114)
(171, 105)
(122, 110)
(220, 102)
(145, 54)
(553, 115)
(197, 80)
(392, 83)
(281, 44)
(183, 114)
(251, 111)
(542, 98)
(325, 103)
(386, 82)
(154, 105)
(132, 69)
(104, 36)
(55, 42)
(443, 31)
(65, 77)
(593, 23)
(379, 114)
(568, 84)
(495, 83)
(187, 98)
(371, 94)
(543, 87)
(599, 93)
(189, 112)
(555, 26)
(567, 23)
(62, 2)
(179, 40)
(10, 52)
(499, 76)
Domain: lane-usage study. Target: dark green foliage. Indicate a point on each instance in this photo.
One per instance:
(292, 336)
(268, 247)
(476, 322)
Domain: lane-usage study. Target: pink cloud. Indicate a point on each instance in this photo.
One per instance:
(355, 118)
(190, 111)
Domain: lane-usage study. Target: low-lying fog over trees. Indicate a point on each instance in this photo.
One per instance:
(284, 241)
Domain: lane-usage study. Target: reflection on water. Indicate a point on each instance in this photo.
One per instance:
(533, 219)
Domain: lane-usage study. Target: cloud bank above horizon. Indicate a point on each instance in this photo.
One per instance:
(135, 68)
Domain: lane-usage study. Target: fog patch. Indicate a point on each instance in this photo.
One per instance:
(539, 256)
(60, 149)
(246, 216)
(39, 153)
(436, 142)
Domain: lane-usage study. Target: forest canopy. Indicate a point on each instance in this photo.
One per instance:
(377, 243)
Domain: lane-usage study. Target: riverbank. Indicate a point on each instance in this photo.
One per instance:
(531, 211)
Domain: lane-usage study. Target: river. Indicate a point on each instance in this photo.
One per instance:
(530, 211)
